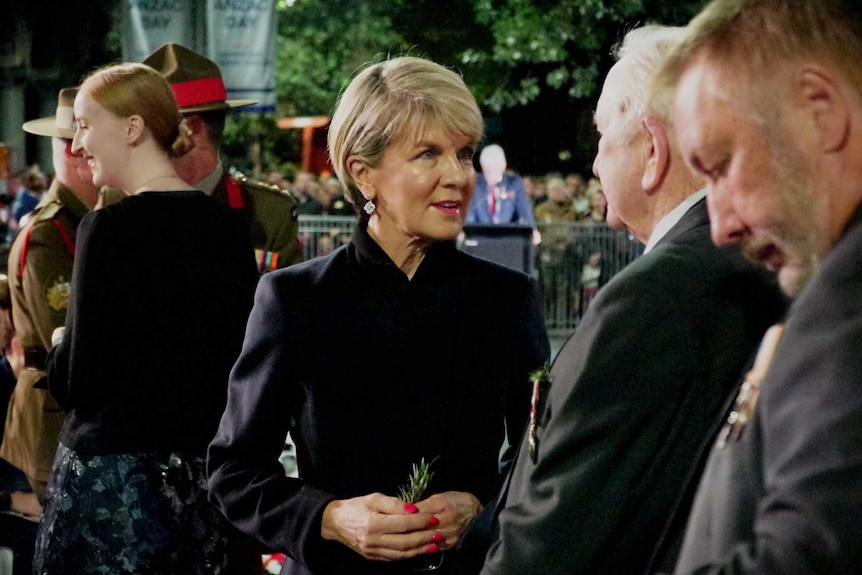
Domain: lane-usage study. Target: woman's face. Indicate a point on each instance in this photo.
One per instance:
(100, 139)
(421, 188)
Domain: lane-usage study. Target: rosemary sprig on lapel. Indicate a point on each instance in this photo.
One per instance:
(540, 378)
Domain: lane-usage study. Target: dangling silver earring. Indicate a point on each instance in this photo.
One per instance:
(369, 207)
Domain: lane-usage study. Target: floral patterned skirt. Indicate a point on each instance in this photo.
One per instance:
(129, 513)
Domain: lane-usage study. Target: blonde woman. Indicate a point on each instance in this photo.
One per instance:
(395, 348)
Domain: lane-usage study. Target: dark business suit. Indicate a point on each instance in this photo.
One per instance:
(512, 204)
(636, 394)
(787, 496)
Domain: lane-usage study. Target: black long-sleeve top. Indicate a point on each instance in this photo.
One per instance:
(161, 290)
(371, 372)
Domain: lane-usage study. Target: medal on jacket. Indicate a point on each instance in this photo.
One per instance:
(540, 379)
(57, 295)
(266, 261)
(743, 409)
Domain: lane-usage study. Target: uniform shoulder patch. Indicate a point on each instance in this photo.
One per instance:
(57, 293)
(47, 211)
(257, 186)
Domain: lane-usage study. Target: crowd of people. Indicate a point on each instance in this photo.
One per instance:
(703, 417)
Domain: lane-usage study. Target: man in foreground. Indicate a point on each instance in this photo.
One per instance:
(768, 108)
(604, 479)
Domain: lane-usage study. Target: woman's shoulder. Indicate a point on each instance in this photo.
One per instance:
(314, 272)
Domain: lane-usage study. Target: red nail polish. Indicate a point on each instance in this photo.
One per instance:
(433, 521)
(432, 549)
(437, 537)
(410, 508)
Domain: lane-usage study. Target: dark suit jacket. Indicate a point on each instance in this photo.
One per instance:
(787, 497)
(372, 371)
(513, 205)
(636, 394)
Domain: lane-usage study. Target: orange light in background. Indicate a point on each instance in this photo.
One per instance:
(303, 122)
(314, 156)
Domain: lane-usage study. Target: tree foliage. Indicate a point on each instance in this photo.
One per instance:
(558, 45)
(517, 56)
(320, 45)
(510, 51)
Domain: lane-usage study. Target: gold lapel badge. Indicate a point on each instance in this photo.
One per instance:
(746, 399)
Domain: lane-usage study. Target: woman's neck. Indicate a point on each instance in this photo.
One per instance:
(153, 172)
(406, 253)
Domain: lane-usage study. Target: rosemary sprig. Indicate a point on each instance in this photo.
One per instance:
(418, 482)
(542, 374)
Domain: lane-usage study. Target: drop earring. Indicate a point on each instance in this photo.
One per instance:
(369, 207)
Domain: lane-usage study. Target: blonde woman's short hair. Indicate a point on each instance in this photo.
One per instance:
(388, 99)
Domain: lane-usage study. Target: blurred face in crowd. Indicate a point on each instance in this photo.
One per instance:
(493, 162)
(529, 186)
(301, 182)
(576, 185)
(759, 191)
(620, 158)
(598, 203)
(557, 192)
(421, 188)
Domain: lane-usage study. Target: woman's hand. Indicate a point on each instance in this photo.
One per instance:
(453, 510)
(382, 528)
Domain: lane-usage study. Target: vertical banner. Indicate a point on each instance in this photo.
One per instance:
(241, 39)
(147, 24)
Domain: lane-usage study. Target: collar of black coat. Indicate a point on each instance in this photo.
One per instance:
(439, 260)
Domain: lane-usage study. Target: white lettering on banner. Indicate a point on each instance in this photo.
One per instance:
(157, 5)
(240, 22)
(147, 24)
(241, 38)
(155, 21)
(243, 5)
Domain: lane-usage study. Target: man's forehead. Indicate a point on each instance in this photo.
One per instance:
(701, 84)
(612, 97)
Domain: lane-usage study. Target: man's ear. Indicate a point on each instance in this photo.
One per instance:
(134, 128)
(818, 91)
(657, 151)
(361, 174)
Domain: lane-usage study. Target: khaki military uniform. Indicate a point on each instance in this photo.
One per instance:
(270, 213)
(40, 270)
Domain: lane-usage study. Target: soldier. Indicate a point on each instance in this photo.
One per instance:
(40, 267)
(269, 211)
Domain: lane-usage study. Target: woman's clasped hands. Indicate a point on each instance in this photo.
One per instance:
(383, 528)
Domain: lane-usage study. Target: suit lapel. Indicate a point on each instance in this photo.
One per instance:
(695, 218)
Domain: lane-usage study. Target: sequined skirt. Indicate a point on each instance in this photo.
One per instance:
(129, 513)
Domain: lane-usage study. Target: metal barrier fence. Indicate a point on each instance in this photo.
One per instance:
(572, 261)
